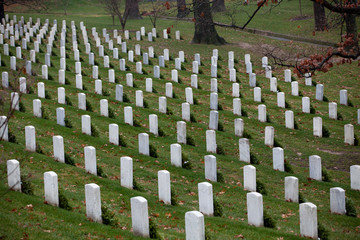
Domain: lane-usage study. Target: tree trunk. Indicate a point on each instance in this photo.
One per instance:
(183, 11)
(132, 9)
(205, 31)
(218, 6)
(351, 27)
(319, 16)
(2, 12)
(300, 7)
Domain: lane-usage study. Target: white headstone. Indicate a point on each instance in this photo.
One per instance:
(213, 101)
(211, 141)
(308, 220)
(185, 111)
(295, 88)
(164, 187)
(278, 159)
(162, 105)
(169, 90)
(60, 116)
(349, 136)
(119, 92)
(139, 216)
(128, 115)
(104, 107)
(273, 84)
(139, 98)
(239, 127)
(315, 170)
(176, 155)
(86, 124)
(257, 94)
(181, 132)
(210, 168)
(126, 172)
(206, 203)
(237, 106)
(90, 160)
(317, 126)
(281, 99)
(114, 134)
(249, 178)
(289, 119)
(189, 95)
(262, 113)
(337, 200)
(4, 131)
(355, 177)
(93, 202)
(319, 92)
(244, 150)
(194, 226)
(149, 87)
(255, 212)
(292, 189)
(30, 139)
(214, 120)
(51, 188)
(333, 110)
(144, 147)
(37, 108)
(153, 124)
(343, 97)
(13, 174)
(306, 104)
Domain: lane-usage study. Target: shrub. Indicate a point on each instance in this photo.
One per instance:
(323, 233)
(253, 159)
(260, 187)
(153, 152)
(325, 175)
(68, 101)
(88, 106)
(26, 185)
(190, 141)
(276, 143)
(269, 222)
(161, 132)
(220, 177)
(350, 104)
(63, 202)
(146, 105)
(69, 160)
(12, 137)
(100, 172)
(39, 149)
(153, 230)
(302, 199)
(94, 131)
(325, 132)
(122, 141)
(111, 113)
(105, 93)
(125, 98)
(287, 105)
(68, 123)
(339, 116)
(287, 167)
(67, 82)
(136, 123)
(325, 99)
(192, 118)
(350, 208)
(220, 127)
(185, 161)
(136, 186)
(196, 102)
(220, 150)
(22, 107)
(244, 113)
(168, 111)
(173, 198)
(108, 217)
(246, 135)
(312, 109)
(218, 210)
(44, 114)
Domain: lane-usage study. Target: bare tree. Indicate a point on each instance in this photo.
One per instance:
(113, 7)
(64, 5)
(158, 8)
(183, 11)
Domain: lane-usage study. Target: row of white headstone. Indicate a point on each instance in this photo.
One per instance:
(194, 220)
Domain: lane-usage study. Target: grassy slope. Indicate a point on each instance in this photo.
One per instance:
(298, 145)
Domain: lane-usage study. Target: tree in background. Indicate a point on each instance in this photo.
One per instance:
(132, 8)
(183, 11)
(218, 6)
(205, 31)
(113, 8)
(319, 16)
(34, 4)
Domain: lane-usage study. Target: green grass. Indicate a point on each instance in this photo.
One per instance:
(43, 221)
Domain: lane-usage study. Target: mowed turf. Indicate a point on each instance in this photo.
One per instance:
(27, 216)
